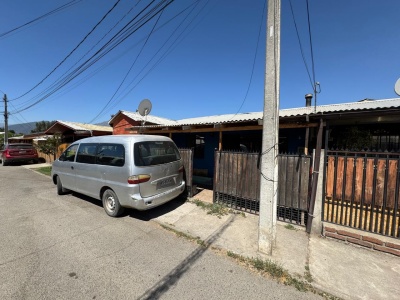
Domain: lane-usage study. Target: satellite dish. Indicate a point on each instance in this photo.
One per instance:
(397, 87)
(144, 107)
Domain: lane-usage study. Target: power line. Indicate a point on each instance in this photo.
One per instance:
(130, 69)
(66, 72)
(168, 51)
(73, 50)
(116, 40)
(311, 44)
(254, 63)
(316, 84)
(301, 47)
(64, 6)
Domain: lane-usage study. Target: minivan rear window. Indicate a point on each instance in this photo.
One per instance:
(151, 153)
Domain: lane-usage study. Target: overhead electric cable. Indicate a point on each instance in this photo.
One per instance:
(316, 84)
(254, 63)
(104, 36)
(105, 49)
(93, 59)
(301, 47)
(130, 69)
(64, 6)
(73, 50)
(66, 72)
(173, 45)
(311, 45)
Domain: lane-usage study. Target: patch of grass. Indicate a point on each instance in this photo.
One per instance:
(307, 274)
(212, 208)
(44, 170)
(272, 269)
(290, 227)
(216, 209)
(186, 236)
(266, 268)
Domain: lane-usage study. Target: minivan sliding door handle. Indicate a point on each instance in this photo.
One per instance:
(72, 167)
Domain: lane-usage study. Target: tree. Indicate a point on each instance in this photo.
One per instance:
(11, 133)
(50, 146)
(42, 126)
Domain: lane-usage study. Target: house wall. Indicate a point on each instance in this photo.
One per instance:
(247, 140)
(292, 140)
(123, 122)
(206, 162)
(203, 155)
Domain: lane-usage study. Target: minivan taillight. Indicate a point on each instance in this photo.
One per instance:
(136, 179)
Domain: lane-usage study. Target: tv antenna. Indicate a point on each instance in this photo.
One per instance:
(397, 87)
(144, 109)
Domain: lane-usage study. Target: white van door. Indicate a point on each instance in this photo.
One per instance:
(87, 175)
(66, 170)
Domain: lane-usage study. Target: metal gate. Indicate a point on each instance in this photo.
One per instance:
(362, 191)
(237, 184)
(187, 159)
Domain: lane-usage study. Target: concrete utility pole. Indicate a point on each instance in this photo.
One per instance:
(5, 120)
(270, 139)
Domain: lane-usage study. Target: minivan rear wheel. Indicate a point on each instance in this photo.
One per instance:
(111, 204)
(60, 189)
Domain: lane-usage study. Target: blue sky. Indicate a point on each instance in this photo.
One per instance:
(216, 66)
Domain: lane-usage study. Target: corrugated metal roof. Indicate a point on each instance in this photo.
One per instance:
(85, 127)
(150, 118)
(254, 116)
(351, 106)
(320, 109)
(220, 119)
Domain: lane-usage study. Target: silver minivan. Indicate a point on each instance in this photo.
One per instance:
(123, 171)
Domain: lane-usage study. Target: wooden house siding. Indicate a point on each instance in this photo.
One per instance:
(122, 123)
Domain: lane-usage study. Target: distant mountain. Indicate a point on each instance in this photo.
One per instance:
(105, 123)
(24, 128)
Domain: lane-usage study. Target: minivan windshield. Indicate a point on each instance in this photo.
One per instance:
(151, 153)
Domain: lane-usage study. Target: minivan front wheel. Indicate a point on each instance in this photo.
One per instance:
(111, 204)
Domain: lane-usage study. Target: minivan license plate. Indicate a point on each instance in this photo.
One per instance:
(165, 183)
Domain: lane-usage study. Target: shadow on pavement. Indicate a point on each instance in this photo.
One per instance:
(169, 280)
(148, 215)
(86, 198)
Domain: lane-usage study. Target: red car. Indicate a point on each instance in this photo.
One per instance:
(21, 153)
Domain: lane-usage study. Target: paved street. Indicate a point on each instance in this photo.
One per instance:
(66, 247)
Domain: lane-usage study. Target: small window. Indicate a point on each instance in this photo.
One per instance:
(155, 153)
(69, 154)
(86, 154)
(111, 155)
(199, 148)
